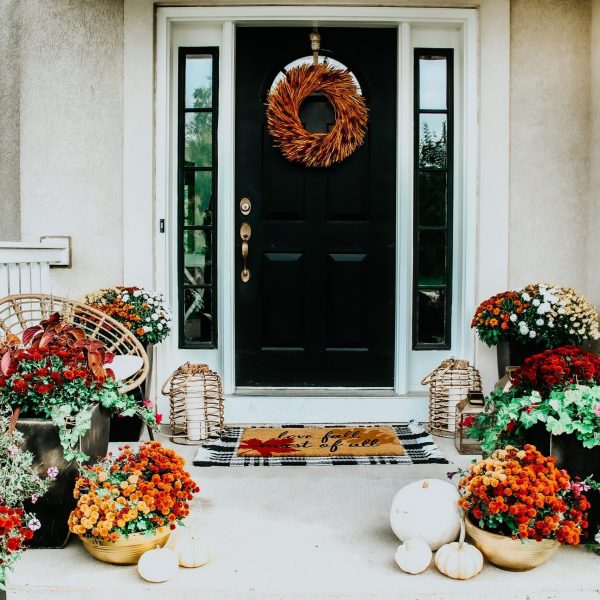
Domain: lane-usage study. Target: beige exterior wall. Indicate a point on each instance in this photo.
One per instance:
(593, 272)
(10, 227)
(71, 134)
(549, 141)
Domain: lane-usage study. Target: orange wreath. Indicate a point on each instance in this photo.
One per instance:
(316, 149)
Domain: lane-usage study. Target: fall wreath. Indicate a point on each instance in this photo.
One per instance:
(316, 149)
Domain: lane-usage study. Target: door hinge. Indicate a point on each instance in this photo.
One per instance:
(161, 225)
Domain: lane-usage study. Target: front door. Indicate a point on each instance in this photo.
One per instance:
(318, 309)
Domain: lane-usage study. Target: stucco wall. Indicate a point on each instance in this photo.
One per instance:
(71, 134)
(593, 273)
(549, 141)
(9, 120)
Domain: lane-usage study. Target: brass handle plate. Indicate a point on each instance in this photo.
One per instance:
(245, 235)
(245, 206)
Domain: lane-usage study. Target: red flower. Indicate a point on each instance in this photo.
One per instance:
(511, 426)
(159, 418)
(467, 421)
(20, 387)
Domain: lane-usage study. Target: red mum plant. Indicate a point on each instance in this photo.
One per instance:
(16, 530)
(557, 369)
(521, 494)
(134, 492)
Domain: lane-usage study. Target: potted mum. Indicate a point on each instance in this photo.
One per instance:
(554, 402)
(19, 483)
(520, 508)
(524, 322)
(148, 316)
(56, 382)
(129, 503)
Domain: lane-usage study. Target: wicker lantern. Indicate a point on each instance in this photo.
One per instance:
(196, 410)
(448, 385)
(467, 411)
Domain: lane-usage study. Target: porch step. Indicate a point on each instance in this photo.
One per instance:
(299, 533)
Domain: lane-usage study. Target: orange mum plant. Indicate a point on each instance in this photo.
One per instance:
(134, 492)
(521, 493)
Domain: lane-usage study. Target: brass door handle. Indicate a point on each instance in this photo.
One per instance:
(245, 235)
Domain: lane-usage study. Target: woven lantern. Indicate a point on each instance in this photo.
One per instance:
(196, 410)
(448, 385)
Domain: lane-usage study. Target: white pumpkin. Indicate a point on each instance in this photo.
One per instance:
(459, 560)
(414, 556)
(158, 565)
(427, 509)
(190, 550)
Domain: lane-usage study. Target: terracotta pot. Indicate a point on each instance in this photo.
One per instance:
(509, 554)
(53, 509)
(126, 550)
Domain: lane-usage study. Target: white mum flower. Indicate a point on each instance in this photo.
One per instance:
(543, 308)
(526, 297)
(513, 317)
(536, 302)
(159, 326)
(532, 334)
(561, 311)
(137, 294)
(539, 322)
(154, 317)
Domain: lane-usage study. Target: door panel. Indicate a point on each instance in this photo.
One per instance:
(318, 309)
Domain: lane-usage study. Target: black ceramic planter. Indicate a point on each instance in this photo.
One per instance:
(41, 439)
(512, 354)
(575, 459)
(129, 429)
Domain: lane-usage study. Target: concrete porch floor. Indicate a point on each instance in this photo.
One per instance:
(299, 533)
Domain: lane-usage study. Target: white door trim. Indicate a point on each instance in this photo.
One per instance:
(467, 18)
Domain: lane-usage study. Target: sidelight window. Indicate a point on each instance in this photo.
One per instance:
(197, 186)
(433, 163)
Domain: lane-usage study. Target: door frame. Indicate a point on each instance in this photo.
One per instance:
(227, 18)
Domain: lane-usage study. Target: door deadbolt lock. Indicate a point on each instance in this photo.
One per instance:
(245, 206)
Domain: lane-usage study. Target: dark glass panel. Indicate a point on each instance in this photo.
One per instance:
(198, 81)
(433, 142)
(432, 82)
(431, 320)
(198, 139)
(432, 258)
(197, 195)
(197, 316)
(197, 265)
(432, 197)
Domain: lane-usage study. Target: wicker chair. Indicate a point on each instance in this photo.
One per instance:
(19, 312)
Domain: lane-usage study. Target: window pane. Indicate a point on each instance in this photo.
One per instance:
(197, 265)
(431, 320)
(198, 81)
(198, 140)
(197, 324)
(432, 198)
(432, 258)
(432, 82)
(432, 140)
(197, 196)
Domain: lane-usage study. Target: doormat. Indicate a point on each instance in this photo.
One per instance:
(319, 441)
(247, 446)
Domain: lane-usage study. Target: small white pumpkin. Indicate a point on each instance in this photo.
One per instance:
(158, 565)
(459, 560)
(427, 509)
(190, 549)
(414, 556)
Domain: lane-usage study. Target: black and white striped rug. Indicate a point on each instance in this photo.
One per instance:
(418, 445)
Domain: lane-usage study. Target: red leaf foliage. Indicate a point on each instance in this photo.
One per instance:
(269, 447)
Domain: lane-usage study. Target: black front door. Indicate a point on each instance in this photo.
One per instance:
(318, 309)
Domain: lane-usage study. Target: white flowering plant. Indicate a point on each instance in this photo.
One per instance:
(543, 313)
(144, 312)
